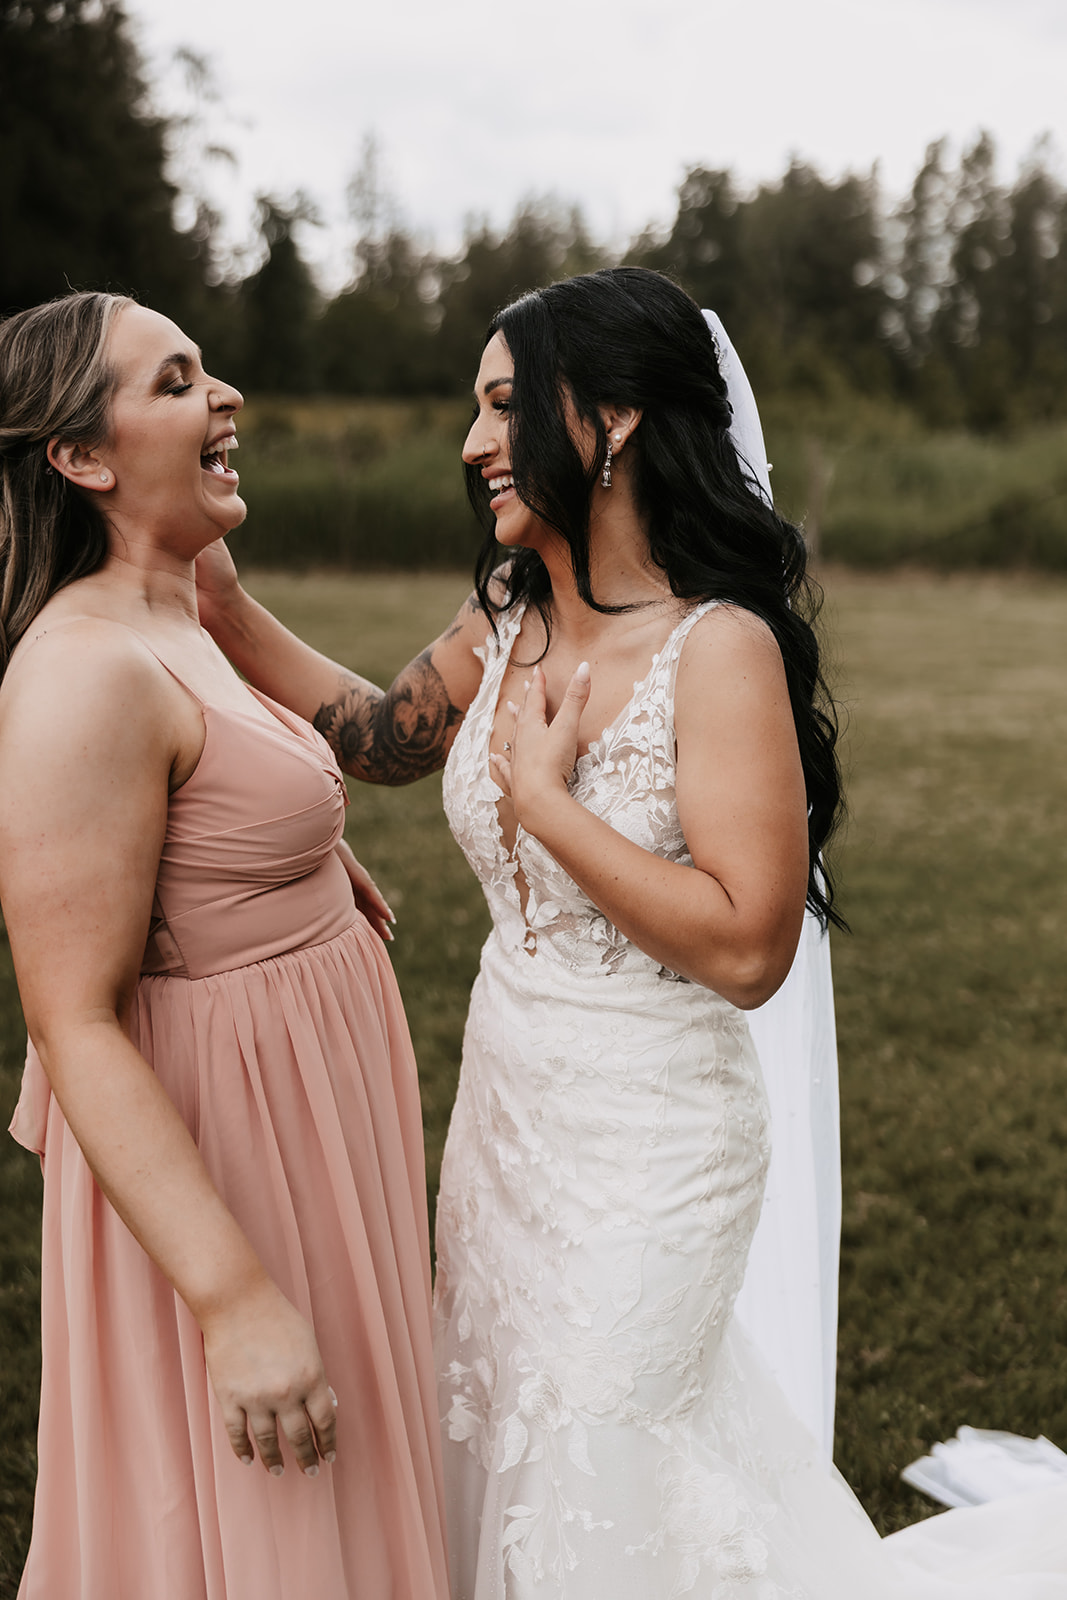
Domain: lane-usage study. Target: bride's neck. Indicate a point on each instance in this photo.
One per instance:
(621, 573)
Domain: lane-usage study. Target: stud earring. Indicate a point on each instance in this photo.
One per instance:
(105, 477)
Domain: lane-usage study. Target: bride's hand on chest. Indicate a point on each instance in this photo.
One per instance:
(534, 764)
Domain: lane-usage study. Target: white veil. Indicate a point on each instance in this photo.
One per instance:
(788, 1302)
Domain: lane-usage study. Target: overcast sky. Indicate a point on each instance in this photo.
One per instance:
(475, 106)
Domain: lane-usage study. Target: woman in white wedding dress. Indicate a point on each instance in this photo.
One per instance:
(646, 833)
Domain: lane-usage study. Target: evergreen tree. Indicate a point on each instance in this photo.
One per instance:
(544, 241)
(280, 305)
(1034, 285)
(979, 227)
(972, 327)
(813, 275)
(84, 199)
(923, 271)
(793, 270)
(918, 276)
(705, 248)
(376, 335)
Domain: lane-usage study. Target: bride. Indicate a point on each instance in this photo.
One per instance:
(641, 772)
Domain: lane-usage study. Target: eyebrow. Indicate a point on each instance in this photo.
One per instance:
(494, 383)
(180, 358)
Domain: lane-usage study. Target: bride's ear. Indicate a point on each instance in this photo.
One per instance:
(619, 423)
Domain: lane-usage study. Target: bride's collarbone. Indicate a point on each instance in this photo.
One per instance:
(620, 656)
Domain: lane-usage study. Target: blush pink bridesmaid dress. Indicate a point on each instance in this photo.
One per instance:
(269, 1011)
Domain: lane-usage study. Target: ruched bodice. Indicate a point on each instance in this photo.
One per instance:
(249, 868)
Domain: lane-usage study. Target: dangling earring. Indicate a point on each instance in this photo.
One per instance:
(605, 476)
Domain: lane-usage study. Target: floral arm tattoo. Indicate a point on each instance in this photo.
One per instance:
(391, 736)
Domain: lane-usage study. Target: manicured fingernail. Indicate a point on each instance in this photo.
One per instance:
(582, 672)
(246, 1461)
(331, 1394)
(389, 935)
(277, 1471)
(390, 914)
(312, 1471)
(330, 1457)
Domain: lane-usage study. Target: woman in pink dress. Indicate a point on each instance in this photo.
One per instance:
(220, 1081)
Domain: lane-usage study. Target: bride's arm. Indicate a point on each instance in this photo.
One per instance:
(78, 863)
(390, 736)
(732, 920)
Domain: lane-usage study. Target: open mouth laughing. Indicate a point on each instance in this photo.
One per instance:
(500, 488)
(214, 458)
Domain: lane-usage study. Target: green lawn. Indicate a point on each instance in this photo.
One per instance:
(952, 1017)
(951, 1006)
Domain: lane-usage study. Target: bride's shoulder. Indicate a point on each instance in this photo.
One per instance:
(724, 630)
(726, 649)
(476, 625)
(500, 585)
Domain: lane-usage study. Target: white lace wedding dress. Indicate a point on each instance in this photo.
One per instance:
(608, 1433)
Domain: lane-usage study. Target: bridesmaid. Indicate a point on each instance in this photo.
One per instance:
(220, 1081)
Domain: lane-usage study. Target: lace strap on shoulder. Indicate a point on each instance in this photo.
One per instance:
(672, 652)
(498, 645)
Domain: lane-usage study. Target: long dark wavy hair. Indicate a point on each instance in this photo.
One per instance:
(630, 337)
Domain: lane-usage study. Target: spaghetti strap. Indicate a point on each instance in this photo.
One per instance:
(177, 676)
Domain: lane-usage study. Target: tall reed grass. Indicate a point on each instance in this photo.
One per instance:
(354, 485)
(377, 484)
(950, 501)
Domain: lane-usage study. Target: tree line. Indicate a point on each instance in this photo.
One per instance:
(952, 300)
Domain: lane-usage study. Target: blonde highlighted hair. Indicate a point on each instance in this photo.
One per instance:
(55, 383)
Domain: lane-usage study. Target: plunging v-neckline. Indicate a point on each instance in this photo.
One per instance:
(603, 739)
(509, 857)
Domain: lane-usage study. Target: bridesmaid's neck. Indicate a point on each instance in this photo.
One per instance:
(152, 581)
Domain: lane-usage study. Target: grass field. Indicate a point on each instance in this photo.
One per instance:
(951, 1006)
